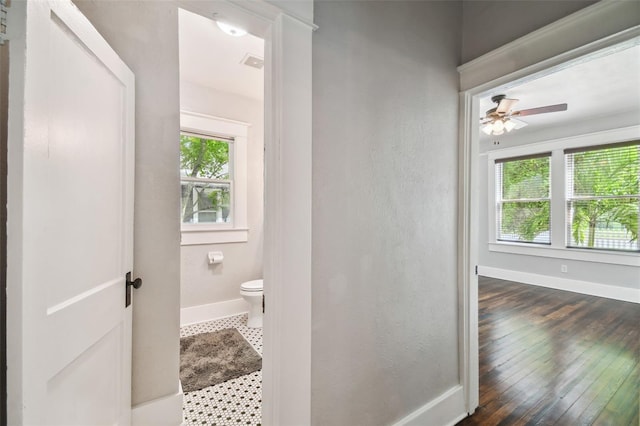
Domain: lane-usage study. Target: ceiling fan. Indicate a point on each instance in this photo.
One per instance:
(502, 117)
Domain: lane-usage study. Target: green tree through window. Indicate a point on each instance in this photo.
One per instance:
(524, 204)
(603, 197)
(205, 179)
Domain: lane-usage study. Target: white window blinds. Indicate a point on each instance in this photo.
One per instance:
(603, 196)
(523, 206)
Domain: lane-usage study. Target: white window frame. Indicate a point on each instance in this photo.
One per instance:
(203, 180)
(219, 233)
(558, 248)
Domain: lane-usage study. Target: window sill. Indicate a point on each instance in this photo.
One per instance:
(590, 255)
(209, 235)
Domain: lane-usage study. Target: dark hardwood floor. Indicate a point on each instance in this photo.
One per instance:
(550, 357)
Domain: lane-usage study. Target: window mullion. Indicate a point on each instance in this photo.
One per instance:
(204, 180)
(602, 197)
(558, 199)
(493, 193)
(526, 200)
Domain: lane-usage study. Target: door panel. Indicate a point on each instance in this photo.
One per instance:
(83, 207)
(76, 220)
(102, 308)
(77, 383)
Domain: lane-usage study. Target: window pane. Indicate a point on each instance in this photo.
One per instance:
(527, 221)
(205, 202)
(522, 179)
(610, 224)
(523, 205)
(603, 172)
(202, 157)
(602, 198)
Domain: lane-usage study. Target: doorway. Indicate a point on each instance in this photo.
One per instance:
(222, 181)
(287, 201)
(477, 83)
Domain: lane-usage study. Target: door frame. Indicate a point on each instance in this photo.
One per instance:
(4, 109)
(286, 377)
(596, 27)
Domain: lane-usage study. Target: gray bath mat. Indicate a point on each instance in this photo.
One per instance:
(210, 358)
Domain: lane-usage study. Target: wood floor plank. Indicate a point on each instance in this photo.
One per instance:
(624, 406)
(550, 357)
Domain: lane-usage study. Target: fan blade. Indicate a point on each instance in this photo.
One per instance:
(541, 110)
(505, 105)
(519, 123)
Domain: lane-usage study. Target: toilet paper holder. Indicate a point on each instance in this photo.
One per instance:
(215, 257)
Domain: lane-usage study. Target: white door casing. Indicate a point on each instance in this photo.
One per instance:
(70, 220)
(286, 380)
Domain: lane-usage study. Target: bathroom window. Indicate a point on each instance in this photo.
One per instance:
(213, 188)
(206, 179)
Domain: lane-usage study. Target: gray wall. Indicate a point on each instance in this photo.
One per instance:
(487, 25)
(385, 117)
(201, 283)
(384, 176)
(145, 35)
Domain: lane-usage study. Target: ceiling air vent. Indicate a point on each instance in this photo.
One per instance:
(253, 61)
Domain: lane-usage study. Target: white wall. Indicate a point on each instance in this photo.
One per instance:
(385, 116)
(145, 35)
(201, 283)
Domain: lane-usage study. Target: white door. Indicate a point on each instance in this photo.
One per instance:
(71, 136)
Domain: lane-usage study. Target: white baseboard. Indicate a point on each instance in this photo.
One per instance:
(165, 411)
(593, 289)
(211, 311)
(446, 410)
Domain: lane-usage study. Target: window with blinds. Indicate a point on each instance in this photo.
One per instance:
(523, 203)
(603, 196)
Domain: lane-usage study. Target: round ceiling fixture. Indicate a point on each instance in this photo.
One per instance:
(231, 30)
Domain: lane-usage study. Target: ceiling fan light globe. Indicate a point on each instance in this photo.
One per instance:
(509, 125)
(498, 132)
(487, 129)
(498, 126)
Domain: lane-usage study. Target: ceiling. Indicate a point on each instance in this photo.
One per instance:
(605, 85)
(600, 87)
(211, 58)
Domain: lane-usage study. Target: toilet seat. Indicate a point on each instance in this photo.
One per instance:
(251, 286)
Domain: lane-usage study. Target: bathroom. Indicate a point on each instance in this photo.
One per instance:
(221, 102)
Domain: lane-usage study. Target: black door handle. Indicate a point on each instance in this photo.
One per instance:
(137, 283)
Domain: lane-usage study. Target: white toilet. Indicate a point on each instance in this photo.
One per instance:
(251, 291)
